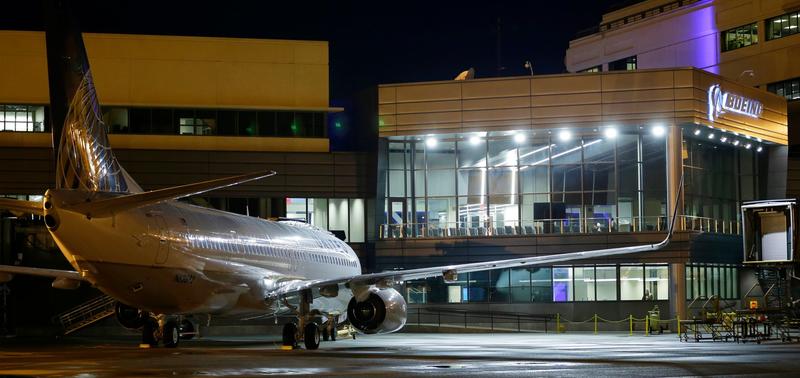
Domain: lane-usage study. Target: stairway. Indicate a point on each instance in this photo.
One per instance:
(87, 313)
(774, 285)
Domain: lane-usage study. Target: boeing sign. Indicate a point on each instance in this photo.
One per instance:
(720, 102)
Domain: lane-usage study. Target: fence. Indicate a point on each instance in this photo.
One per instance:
(523, 322)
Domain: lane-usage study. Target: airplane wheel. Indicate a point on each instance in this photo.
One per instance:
(149, 332)
(171, 334)
(325, 336)
(289, 332)
(311, 336)
(187, 331)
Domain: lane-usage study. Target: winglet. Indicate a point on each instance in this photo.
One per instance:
(108, 206)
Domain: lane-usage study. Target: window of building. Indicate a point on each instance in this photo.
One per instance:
(739, 37)
(606, 283)
(790, 89)
(584, 285)
(707, 280)
(783, 25)
(597, 68)
(562, 284)
(624, 64)
(25, 118)
(339, 214)
(631, 283)
(656, 282)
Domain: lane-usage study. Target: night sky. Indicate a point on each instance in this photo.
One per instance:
(370, 42)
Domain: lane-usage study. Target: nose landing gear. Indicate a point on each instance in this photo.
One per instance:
(305, 329)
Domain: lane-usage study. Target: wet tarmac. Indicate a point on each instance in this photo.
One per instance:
(406, 354)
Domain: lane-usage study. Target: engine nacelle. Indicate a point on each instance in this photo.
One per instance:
(384, 311)
(130, 317)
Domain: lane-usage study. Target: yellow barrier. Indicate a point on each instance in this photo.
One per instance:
(596, 319)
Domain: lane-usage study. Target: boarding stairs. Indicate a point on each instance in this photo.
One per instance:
(87, 313)
(775, 287)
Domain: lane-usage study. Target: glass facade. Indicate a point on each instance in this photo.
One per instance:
(465, 185)
(181, 121)
(739, 37)
(563, 183)
(783, 25)
(707, 280)
(790, 89)
(717, 178)
(585, 283)
(335, 214)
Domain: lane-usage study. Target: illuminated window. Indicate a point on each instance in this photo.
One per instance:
(562, 284)
(739, 37)
(782, 26)
(25, 118)
(656, 283)
(598, 68)
(624, 64)
(631, 283)
(790, 89)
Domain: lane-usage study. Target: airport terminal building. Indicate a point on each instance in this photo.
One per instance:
(486, 169)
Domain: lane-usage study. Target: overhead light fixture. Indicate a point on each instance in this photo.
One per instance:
(759, 149)
(736, 142)
(431, 142)
(474, 140)
(697, 132)
(564, 135)
(519, 137)
(711, 136)
(659, 130)
(748, 145)
(611, 133)
(723, 139)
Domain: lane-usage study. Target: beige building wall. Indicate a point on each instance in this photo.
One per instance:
(170, 71)
(690, 36)
(546, 102)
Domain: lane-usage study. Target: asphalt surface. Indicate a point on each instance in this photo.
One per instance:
(406, 354)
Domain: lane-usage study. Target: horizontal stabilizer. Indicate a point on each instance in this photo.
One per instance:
(6, 271)
(20, 206)
(108, 206)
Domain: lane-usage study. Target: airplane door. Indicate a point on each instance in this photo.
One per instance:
(162, 249)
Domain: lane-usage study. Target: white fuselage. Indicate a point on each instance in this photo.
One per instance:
(175, 258)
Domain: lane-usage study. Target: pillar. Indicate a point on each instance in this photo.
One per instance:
(677, 291)
(674, 172)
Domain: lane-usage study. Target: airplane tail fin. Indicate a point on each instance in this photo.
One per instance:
(84, 159)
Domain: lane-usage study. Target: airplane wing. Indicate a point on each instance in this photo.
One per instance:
(20, 206)
(450, 272)
(8, 271)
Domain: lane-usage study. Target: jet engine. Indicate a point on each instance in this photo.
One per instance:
(129, 317)
(384, 311)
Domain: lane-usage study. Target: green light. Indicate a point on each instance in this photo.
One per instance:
(380, 122)
(338, 125)
(294, 127)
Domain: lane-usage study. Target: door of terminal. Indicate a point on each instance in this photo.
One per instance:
(398, 217)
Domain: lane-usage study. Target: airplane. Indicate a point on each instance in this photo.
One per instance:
(164, 260)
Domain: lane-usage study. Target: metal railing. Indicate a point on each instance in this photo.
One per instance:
(87, 313)
(552, 226)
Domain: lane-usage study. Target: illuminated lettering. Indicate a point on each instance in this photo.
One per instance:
(720, 102)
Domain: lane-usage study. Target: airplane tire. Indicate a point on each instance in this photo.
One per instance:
(289, 332)
(325, 336)
(187, 330)
(149, 330)
(311, 336)
(171, 334)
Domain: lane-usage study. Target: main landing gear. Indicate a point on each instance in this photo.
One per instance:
(167, 330)
(306, 329)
